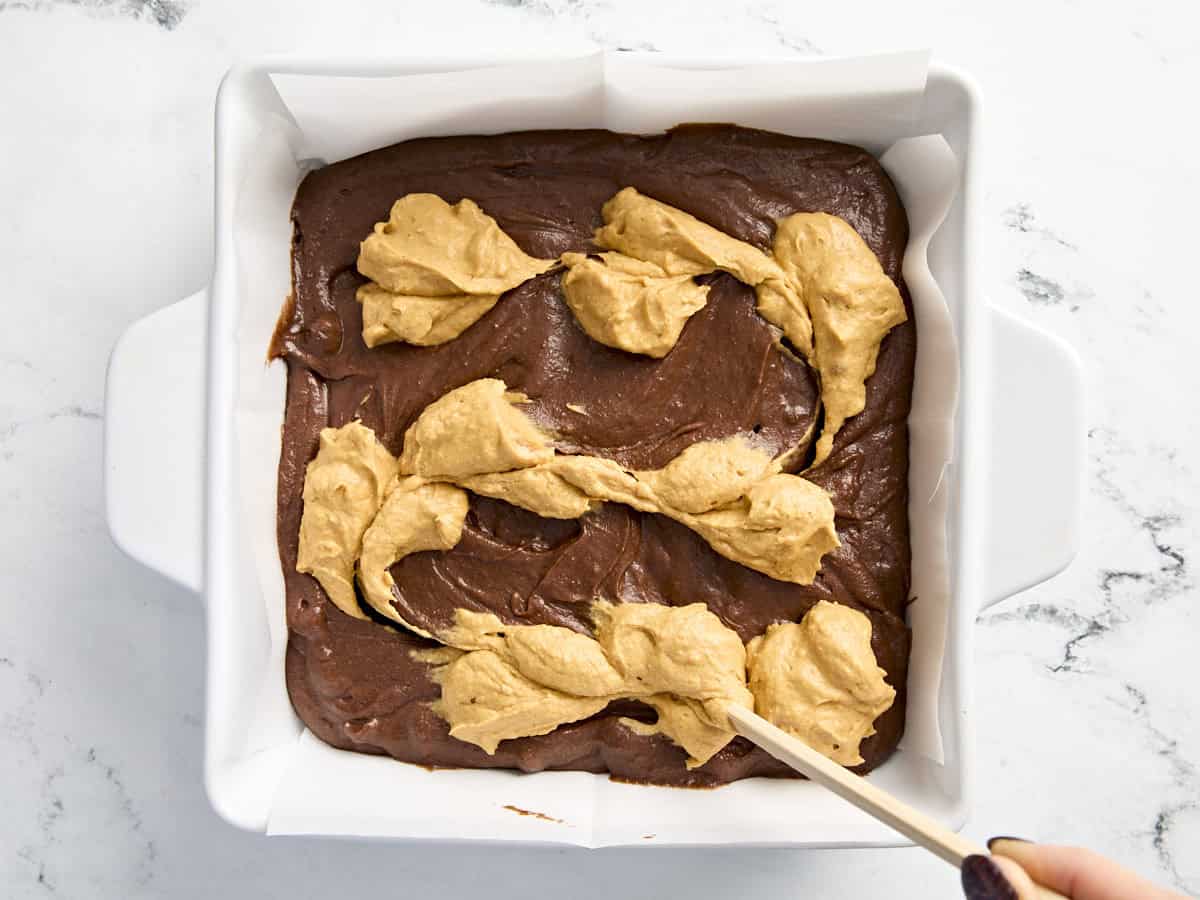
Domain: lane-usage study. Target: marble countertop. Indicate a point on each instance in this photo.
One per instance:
(1087, 712)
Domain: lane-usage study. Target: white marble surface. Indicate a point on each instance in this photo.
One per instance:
(1088, 714)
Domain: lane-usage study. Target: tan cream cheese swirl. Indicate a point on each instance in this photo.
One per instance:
(344, 486)
(629, 303)
(435, 269)
(521, 680)
(679, 244)
(852, 302)
(818, 679)
(416, 516)
(729, 492)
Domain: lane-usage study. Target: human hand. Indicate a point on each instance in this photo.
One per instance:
(1015, 865)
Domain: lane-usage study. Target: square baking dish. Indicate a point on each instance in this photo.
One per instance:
(1015, 381)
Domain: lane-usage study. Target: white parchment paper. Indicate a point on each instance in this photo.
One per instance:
(871, 101)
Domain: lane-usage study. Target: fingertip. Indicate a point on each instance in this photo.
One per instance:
(1014, 848)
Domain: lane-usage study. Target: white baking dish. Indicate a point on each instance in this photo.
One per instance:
(174, 505)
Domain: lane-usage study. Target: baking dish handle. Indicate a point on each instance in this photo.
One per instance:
(1037, 456)
(154, 440)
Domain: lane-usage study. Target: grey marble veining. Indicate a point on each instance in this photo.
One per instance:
(1085, 706)
(166, 14)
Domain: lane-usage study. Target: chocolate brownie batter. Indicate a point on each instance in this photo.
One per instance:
(354, 682)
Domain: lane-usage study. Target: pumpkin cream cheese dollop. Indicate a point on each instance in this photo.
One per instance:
(344, 486)
(629, 303)
(503, 681)
(416, 516)
(435, 269)
(729, 492)
(679, 244)
(852, 302)
(818, 679)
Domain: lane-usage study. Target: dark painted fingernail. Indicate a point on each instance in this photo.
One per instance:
(1007, 837)
(983, 880)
